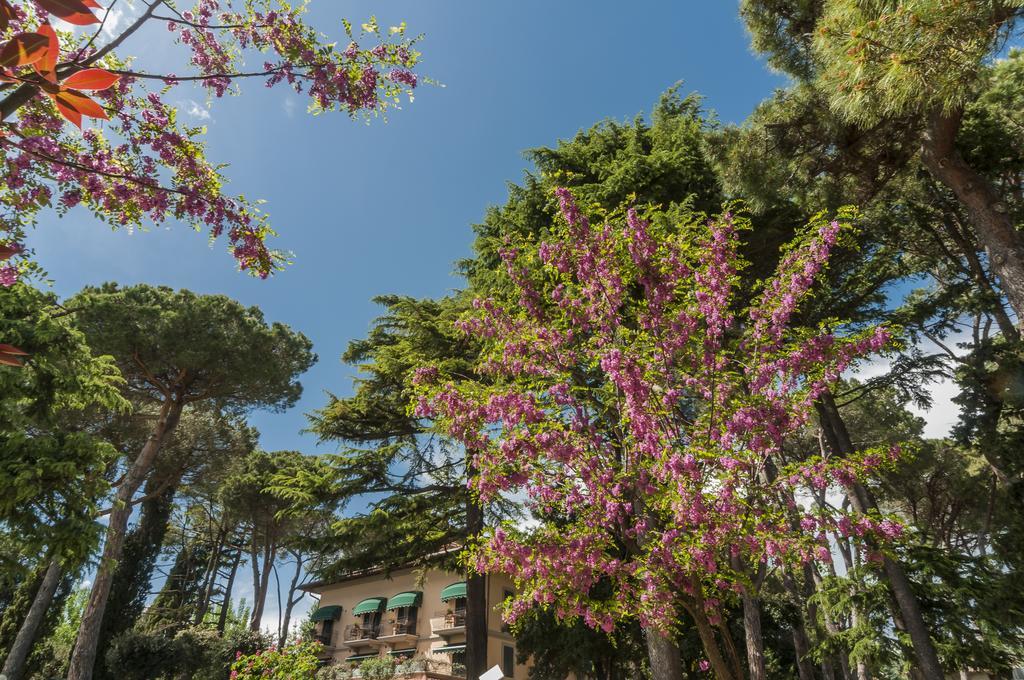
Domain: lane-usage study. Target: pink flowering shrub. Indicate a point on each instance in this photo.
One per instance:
(299, 660)
(640, 399)
(146, 165)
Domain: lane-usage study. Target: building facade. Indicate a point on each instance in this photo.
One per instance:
(410, 614)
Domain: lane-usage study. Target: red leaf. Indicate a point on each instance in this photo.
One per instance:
(10, 361)
(23, 49)
(11, 349)
(69, 113)
(72, 11)
(9, 251)
(91, 79)
(46, 66)
(92, 3)
(73, 105)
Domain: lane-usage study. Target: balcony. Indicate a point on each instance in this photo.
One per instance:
(357, 635)
(449, 623)
(402, 631)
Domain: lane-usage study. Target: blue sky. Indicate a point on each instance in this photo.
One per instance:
(387, 207)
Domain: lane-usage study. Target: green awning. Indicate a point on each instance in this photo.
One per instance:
(403, 652)
(453, 591)
(360, 657)
(328, 613)
(450, 648)
(411, 598)
(373, 604)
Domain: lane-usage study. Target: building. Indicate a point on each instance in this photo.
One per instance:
(410, 613)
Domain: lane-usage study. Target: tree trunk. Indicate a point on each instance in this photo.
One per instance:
(213, 567)
(752, 631)
(838, 438)
(269, 555)
(14, 665)
(130, 585)
(663, 655)
(290, 602)
(476, 602)
(996, 233)
(710, 644)
(222, 618)
(83, 658)
(254, 556)
(802, 649)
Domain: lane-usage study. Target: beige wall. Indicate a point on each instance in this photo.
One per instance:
(430, 616)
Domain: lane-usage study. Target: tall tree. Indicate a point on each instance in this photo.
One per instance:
(176, 349)
(901, 77)
(426, 510)
(204, 443)
(633, 399)
(52, 471)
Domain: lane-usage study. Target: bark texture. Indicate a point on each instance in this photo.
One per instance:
(996, 233)
(14, 664)
(83, 658)
(755, 641)
(663, 654)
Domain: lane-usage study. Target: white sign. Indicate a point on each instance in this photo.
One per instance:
(493, 674)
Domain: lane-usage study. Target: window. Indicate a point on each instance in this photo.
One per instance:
(405, 620)
(371, 622)
(326, 632)
(508, 661)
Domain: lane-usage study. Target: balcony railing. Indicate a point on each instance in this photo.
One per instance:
(358, 631)
(450, 619)
(325, 640)
(402, 627)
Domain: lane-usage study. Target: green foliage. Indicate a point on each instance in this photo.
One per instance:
(885, 58)
(51, 470)
(294, 661)
(195, 347)
(379, 668)
(387, 451)
(198, 653)
(556, 649)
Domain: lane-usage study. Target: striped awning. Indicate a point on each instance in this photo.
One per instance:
(450, 648)
(360, 657)
(411, 598)
(403, 652)
(328, 613)
(455, 590)
(371, 604)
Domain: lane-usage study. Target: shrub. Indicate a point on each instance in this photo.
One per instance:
(336, 672)
(381, 668)
(291, 662)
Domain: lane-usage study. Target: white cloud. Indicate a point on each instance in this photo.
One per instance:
(113, 21)
(289, 106)
(196, 110)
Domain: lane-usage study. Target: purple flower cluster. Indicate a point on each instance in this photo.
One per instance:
(629, 392)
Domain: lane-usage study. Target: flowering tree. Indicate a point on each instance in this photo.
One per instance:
(299, 660)
(642, 410)
(145, 164)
